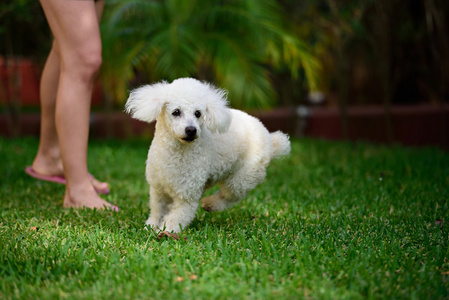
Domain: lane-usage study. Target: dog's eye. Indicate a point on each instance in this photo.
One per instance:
(176, 113)
(197, 114)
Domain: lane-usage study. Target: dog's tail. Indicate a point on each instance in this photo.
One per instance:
(281, 144)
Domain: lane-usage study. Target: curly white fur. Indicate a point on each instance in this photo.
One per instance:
(199, 142)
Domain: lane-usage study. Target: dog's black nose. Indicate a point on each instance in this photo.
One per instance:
(191, 131)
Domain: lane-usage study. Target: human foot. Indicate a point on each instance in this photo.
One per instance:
(48, 164)
(51, 169)
(100, 187)
(86, 197)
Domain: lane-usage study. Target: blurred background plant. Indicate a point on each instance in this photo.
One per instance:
(387, 52)
(395, 49)
(266, 53)
(23, 33)
(238, 45)
(23, 30)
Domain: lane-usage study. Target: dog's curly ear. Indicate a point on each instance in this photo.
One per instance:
(146, 103)
(218, 117)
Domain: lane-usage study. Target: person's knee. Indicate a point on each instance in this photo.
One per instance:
(83, 63)
(90, 61)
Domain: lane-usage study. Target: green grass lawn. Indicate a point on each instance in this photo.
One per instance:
(332, 221)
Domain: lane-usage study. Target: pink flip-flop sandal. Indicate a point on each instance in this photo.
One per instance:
(57, 179)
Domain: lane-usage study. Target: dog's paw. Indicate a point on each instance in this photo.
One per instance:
(213, 203)
(170, 226)
(153, 224)
(207, 207)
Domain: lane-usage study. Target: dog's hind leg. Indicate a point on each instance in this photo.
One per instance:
(234, 189)
(221, 200)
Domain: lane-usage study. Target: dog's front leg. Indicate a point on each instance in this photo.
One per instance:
(159, 207)
(180, 215)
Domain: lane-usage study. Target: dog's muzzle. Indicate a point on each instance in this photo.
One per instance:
(190, 134)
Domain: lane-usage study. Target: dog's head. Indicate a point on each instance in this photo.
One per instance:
(186, 105)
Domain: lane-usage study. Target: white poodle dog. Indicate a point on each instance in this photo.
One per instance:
(199, 142)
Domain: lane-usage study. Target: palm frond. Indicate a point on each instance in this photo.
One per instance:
(168, 39)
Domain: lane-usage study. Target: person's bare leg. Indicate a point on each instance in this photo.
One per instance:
(48, 158)
(75, 27)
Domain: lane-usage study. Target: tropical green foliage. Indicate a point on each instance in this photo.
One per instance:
(232, 43)
(369, 51)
